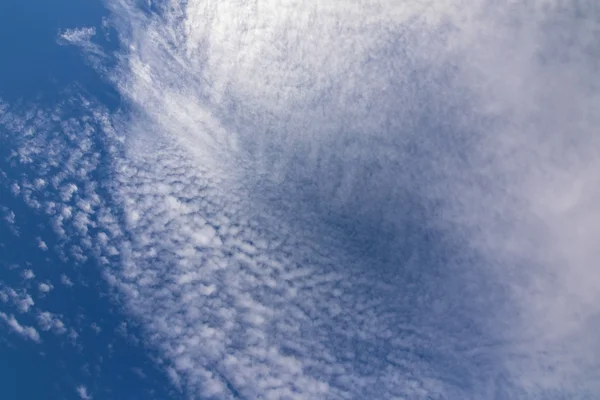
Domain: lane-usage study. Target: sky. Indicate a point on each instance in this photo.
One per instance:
(300, 200)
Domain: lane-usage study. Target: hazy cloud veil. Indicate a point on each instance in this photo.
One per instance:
(339, 199)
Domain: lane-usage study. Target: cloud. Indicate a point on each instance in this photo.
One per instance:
(27, 332)
(20, 298)
(85, 38)
(42, 245)
(78, 35)
(45, 287)
(83, 392)
(374, 135)
(9, 218)
(65, 280)
(48, 321)
(28, 274)
(342, 200)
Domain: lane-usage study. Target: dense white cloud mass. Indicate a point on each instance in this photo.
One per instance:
(344, 200)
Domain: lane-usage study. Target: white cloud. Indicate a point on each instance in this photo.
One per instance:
(345, 200)
(20, 298)
(68, 191)
(83, 393)
(42, 245)
(45, 287)
(48, 321)
(396, 122)
(65, 280)
(27, 332)
(84, 38)
(24, 303)
(9, 216)
(28, 274)
(78, 35)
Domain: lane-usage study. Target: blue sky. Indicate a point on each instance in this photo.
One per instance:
(300, 200)
(73, 341)
(33, 63)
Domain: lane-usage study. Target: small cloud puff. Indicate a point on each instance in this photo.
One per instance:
(23, 330)
(28, 274)
(48, 321)
(41, 244)
(45, 287)
(65, 280)
(83, 392)
(20, 299)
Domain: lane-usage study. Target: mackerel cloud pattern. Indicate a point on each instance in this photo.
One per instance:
(337, 200)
